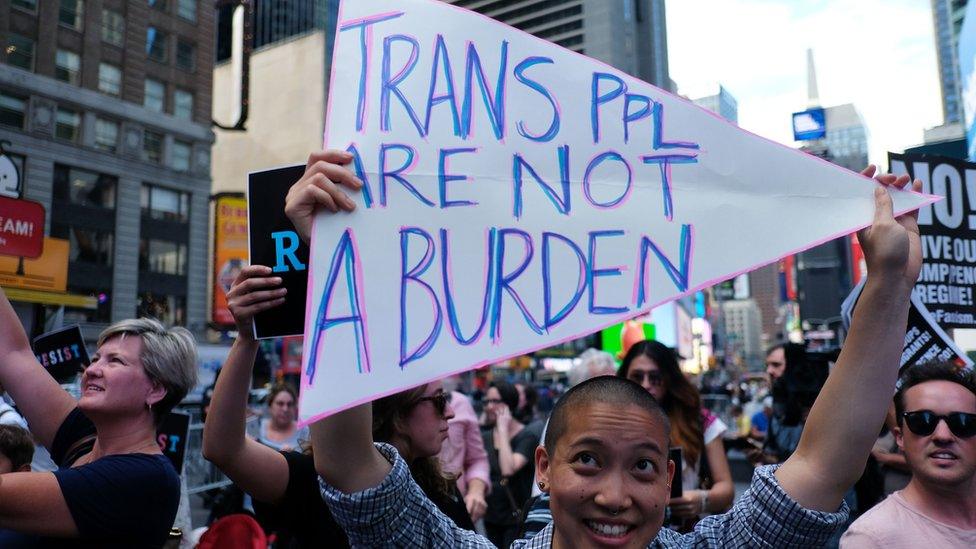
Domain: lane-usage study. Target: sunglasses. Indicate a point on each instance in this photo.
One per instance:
(655, 378)
(924, 422)
(439, 400)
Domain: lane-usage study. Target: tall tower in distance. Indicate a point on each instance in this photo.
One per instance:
(947, 16)
(630, 36)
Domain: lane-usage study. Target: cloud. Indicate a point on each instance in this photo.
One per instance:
(864, 52)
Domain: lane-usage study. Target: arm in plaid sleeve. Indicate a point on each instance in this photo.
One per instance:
(395, 513)
(765, 516)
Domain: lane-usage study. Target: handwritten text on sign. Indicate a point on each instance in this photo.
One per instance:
(517, 195)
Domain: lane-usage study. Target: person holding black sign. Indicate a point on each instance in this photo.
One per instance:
(114, 487)
(284, 484)
(605, 461)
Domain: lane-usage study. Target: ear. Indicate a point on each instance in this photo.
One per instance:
(156, 393)
(671, 469)
(543, 465)
(899, 438)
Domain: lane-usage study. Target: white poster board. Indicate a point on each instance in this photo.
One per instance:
(519, 194)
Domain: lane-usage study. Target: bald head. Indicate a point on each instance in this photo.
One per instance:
(615, 391)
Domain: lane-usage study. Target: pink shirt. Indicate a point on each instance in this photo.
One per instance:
(895, 524)
(463, 453)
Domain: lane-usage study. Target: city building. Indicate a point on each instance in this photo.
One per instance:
(743, 328)
(105, 110)
(947, 16)
(630, 36)
(722, 103)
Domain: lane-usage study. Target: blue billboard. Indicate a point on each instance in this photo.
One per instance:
(967, 76)
(809, 124)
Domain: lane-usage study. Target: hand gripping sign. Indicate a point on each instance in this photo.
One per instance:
(518, 194)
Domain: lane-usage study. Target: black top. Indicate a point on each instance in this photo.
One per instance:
(118, 501)
(519, 485)
(302, 519)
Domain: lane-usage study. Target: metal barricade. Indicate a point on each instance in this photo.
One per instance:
(200, 474)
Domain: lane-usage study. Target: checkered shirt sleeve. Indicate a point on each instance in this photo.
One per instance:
(396, 513)
(765, 516)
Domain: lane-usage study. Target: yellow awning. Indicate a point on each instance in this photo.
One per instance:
(51, 298)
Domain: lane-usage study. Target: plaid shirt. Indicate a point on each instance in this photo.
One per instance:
(396, 513)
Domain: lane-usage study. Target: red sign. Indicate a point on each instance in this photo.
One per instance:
(21, 228)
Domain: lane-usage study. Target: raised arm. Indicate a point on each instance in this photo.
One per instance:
(259, 470)
(38, 395)
(848, 413)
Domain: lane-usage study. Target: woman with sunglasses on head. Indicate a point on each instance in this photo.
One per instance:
(283, 483)
(705, 478)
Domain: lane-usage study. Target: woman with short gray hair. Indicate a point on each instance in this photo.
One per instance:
(114, 487)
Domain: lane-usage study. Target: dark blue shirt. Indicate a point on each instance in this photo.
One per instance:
(760, 421)
(126, 500)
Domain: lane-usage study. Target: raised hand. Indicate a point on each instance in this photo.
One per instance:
(892, 247)
(319, 188)
(254, 290)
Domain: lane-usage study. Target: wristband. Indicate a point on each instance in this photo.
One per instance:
(704, 502)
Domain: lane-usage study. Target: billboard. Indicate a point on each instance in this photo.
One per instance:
(49, 272)
(809, 125)
(967, 76)
(21, 228)
(230, 251)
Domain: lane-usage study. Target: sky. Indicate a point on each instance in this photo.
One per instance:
(877, 54)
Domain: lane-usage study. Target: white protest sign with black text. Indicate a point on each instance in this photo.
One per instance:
(519, 194)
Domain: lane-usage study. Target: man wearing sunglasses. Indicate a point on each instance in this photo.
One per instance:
(936, 411)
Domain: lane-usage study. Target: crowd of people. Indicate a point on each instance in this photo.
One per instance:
(628, 456)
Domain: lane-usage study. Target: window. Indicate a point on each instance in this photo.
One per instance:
(113, 27)
(185, 54)
(152, 146)
(187, 9)
(183, 104)
(154, 95)
(168, 309)
(90, 246)
(156, 45)
(83, 188)
(157, 4)
(67, 67)
(67, 124)
(162, 256)
(72, 13)
(109, 79)
(29, 5)
(103, 296)
(20, 52)
(165, 204)
(106, 135)
(179, 157)
(12, 109)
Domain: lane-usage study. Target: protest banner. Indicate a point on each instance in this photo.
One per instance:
(948, 230)
(925, 341)
(21, 227)
(274, 243)
(229, 251)
(172, 438)
(518, 195)
(62, 353)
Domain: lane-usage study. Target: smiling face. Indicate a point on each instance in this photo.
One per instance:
(646, 373)
(115, 383)
(424, 427)
(609, 477)
(940, 459)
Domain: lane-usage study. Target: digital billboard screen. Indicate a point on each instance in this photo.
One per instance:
(809, 124)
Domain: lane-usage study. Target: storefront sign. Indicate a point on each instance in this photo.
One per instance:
(21, 227)
(230, 251)
(49, 272)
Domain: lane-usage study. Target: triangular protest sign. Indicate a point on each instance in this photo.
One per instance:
(519, 194)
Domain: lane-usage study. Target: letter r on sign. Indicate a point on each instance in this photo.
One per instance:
(286, 242)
